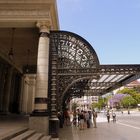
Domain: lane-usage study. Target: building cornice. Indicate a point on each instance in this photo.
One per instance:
(28, 1)
(28, 12)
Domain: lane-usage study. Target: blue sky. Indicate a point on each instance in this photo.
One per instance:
(112, 27)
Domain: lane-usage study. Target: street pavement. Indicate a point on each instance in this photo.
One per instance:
(127, 127)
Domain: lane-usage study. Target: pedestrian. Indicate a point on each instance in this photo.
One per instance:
(61, 119)
(78, 114)
(108, 116)
(114, 117)
(94, 118)
(87, 119)
(67, 117)
(90, 116)
(74, 118)
(82, 120)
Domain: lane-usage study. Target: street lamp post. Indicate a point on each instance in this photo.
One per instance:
(129, 107)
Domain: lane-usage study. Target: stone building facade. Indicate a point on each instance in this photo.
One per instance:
(24, 57)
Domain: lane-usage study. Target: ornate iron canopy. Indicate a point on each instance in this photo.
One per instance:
(79, 71)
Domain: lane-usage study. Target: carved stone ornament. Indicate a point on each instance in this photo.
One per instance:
(44, 26)
(25, 13)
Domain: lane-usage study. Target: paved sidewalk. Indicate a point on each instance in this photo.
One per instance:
(104, 131)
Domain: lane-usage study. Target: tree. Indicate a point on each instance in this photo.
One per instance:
(101, 103)
(115, 101)
(137, 98)
(74, 106)
(128, 101)
(134, 92)
(129, 91)
(137, 89)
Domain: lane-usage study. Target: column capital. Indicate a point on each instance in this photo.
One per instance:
(44, 26)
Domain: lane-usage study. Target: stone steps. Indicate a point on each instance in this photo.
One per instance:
(36, 136)
(46, 138)
(25, 134)
(13, 133)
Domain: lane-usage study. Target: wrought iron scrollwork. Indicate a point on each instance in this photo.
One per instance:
(74, 56)
(79, 71)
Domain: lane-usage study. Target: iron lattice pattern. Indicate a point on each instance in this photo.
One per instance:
(79, 71)
(74, 55)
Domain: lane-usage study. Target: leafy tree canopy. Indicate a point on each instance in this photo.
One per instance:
(128, 101)
(101, 103)
(128, 91)
(134, 92)
(116, 99)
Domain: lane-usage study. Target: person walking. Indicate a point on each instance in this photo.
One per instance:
(87, 119)
(61, 119)
(94, 118)
(78, 115)
(114, 117)
(82, 120)
(67, 117)
(90, 116)
(74, 118)
(108, 116)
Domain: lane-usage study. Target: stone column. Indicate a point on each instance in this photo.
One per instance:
(8, 91)
(31, 93)
(3, 86)
(2, 79)
(39, 120)
(25, 94)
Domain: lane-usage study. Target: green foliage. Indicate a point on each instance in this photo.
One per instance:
(137, 97)
(134, 92)
(128, 91)
(74, 106)
(128, 101)
(137, 89)
(101, 103)
(95, 105)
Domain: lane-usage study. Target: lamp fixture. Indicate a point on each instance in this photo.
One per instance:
(28, 55)
(11, 53)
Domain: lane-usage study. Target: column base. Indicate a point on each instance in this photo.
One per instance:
(40, 124)
(54, 127)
